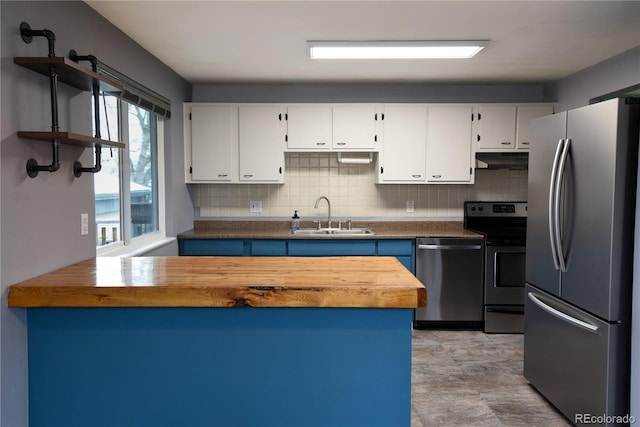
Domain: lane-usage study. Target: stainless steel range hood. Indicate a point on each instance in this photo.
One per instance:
(518, 161)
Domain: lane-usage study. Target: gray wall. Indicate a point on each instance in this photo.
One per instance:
(368, 93)
(574, 91)
(620, 72)
(40, 218)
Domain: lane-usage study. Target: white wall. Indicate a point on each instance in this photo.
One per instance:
(40, 218)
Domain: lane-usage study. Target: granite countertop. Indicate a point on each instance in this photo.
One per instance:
(358, 282)
(213, 229)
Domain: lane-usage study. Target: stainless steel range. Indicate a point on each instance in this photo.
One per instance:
(504, 225)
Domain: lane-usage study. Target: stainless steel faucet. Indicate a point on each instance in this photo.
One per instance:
(329, 205)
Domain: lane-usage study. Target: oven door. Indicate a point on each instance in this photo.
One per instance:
(504, 289)
(504, 275)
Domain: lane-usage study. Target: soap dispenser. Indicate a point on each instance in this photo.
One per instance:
(295, 221)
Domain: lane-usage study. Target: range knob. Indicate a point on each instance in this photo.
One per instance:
(480, 208)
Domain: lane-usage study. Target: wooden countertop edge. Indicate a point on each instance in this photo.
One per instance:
(157, 296)
(224, 282)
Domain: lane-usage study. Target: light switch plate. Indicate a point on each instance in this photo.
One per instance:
(84, 224)
(255, 206)
(410, 206)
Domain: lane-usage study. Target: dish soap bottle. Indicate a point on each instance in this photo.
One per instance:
(295, 221)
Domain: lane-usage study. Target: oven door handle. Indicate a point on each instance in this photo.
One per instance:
(449, 247)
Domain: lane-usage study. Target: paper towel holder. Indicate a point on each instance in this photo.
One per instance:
(355, 159)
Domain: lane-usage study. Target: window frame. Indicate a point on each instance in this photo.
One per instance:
(127, 245)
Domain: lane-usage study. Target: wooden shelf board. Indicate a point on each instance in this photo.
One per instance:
(70, 73)
(70, 138)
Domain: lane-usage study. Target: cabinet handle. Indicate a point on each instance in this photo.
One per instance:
(321, 143)
(505, 143)
(222, 175)
(436, 176)
(248, 176)
(341, 143)
(524, 143)
(416, 176)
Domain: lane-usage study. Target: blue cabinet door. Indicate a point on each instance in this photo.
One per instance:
(402, 249)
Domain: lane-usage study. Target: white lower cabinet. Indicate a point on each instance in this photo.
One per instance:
(402, 158)
(449, 154)
(261, 135)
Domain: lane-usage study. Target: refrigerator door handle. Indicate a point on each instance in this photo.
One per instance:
(552, 198)
(560, 176)
(563, 316)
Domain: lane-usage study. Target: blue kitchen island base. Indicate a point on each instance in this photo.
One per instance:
(240, 366)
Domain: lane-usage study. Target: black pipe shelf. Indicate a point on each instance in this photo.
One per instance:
(71, 73)
(69, 138)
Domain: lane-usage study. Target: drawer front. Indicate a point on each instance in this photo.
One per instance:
(269, 248)
(213, 247)
(331, 248)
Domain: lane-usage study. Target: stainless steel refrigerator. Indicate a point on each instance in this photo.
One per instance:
(579, 262)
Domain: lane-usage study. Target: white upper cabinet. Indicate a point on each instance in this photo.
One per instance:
(526, 113)
(354, 128)
(309, 128)
(261, 138)
(449, 139)
(496, 127)
(402, 157)
(213, 156)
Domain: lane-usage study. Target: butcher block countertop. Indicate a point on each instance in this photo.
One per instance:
(216, 229)
(368, 282)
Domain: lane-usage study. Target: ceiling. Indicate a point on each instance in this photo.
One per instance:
(265, 41)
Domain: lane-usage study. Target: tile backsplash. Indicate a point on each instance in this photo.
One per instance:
(353, 193)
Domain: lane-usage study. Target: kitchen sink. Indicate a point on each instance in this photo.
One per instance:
(333, 231)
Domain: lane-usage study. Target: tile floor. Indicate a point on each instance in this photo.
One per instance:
(468, 378)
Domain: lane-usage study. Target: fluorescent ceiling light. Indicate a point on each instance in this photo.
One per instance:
(394, 49)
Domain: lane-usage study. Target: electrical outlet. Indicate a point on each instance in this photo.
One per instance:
(84, 224)
(410, 206)
(255, 206)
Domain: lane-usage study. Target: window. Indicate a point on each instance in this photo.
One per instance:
(126, 189)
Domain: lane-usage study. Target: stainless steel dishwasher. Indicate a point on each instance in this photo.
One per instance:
(452, 271)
